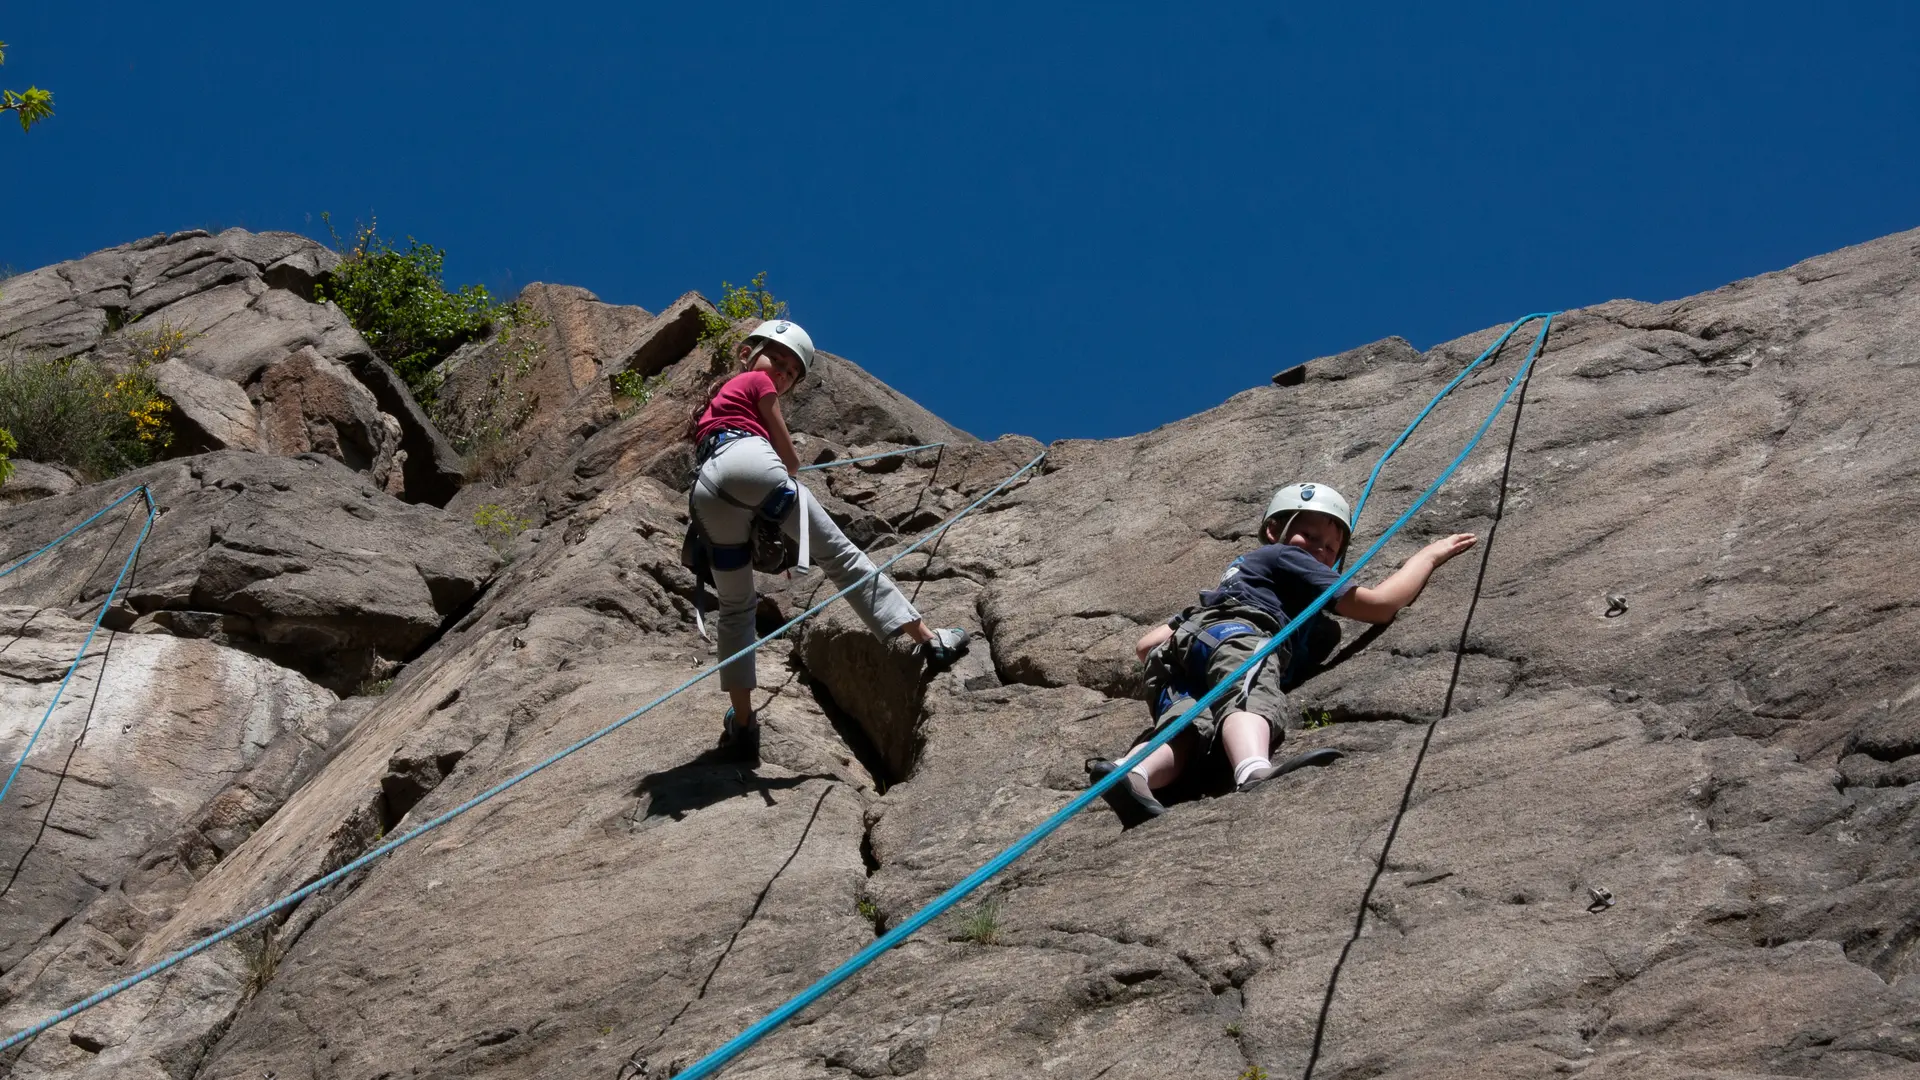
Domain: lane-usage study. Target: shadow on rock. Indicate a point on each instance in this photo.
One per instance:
(707, 779)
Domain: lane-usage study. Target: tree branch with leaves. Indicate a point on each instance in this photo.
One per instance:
(32, 105)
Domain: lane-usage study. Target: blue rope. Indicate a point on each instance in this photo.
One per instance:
(56, 543)
(1437, 399)
(309, 889)
(871, 457)
(712, 1063)
(152, 512)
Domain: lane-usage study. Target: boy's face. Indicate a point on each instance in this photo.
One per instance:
(1317, 534)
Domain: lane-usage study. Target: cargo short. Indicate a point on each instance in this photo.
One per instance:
(1173, 692)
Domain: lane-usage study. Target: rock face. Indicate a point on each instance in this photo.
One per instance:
(144, 751)
(257, 365)
(1666, 828)
(31, 480)
(298, 559)
(309, 404)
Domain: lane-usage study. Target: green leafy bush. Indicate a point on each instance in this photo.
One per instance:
(637, 389)
(720, 333)
(7, 447)
(499, 527)
(73, 411)
(397, 300)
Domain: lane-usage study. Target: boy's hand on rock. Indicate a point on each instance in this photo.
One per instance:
(1446, 548)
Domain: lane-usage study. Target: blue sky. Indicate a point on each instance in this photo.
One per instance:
(1061, 220)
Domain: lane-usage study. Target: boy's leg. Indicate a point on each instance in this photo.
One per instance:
(1167, 762)
(1248, 740)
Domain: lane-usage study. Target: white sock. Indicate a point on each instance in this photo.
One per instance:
(1245, 769)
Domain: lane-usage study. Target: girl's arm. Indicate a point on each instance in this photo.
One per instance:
(777, 433)
(1382, 602)
(1153, 640)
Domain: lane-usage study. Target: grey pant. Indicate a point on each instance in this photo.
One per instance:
(749, 470)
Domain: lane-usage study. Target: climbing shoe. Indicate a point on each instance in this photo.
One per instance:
(947, 646)
(1131, 799)
(1314, 758)
(740, 742)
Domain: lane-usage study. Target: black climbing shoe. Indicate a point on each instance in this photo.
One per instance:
(740, 743)
(1133, 805)
(1316, 758)
(947, 646)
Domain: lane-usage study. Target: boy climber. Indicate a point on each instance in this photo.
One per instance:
(1305, 530)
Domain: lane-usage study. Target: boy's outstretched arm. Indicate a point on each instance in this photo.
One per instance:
(1382, 602)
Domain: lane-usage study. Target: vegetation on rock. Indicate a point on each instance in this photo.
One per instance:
(637, 389)
(75, 411)
(499, 526)
(721, 332)
(397, 299)
(484, 429)
(7, 447)
(31, 105)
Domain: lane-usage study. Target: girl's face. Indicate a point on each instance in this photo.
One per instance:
(780, 364)
(1315, 533)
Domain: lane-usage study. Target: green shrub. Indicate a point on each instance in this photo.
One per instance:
(397, 300)
(499, 527)
(720, 333)
(7, 447)
(73, 411)
(1314, 719)
(637, 389)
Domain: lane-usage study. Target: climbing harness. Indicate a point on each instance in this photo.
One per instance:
(768, 548)
(1179, 664)
(355, 865)
(153, 511)
(713, 1062)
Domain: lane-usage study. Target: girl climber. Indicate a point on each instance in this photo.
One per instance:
(747, 468)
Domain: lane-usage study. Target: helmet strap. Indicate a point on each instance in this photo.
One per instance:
(1281, 538)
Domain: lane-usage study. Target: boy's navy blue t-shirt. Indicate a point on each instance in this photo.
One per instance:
(1279, 579)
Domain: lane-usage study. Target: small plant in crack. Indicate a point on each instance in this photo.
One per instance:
(1314, 719)
(262, 954)
(1254, 1072)
(983, 926)
(869, 911)
(1233, 1029)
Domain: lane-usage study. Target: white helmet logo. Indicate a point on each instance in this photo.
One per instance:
(1306, 493)
(781, 327)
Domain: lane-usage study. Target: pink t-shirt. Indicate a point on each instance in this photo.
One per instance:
(737, 405)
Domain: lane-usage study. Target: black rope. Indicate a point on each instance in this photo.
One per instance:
(1446, 707)
(86, 725)
(934, 549)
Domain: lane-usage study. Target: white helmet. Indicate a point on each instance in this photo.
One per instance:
(1320, 498)
(789, 334)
